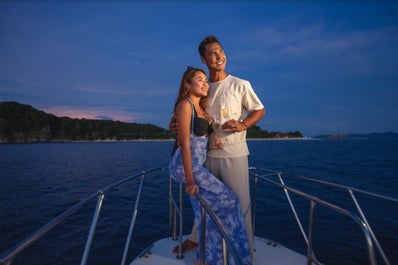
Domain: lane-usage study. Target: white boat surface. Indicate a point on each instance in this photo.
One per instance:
(267, 251)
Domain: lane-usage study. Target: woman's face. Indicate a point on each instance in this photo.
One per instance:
(198, 86)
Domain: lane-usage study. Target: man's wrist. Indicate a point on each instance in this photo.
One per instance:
(244, 124)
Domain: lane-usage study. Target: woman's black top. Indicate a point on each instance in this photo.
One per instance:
(200, 126)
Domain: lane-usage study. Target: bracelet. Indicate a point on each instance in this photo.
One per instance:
(244, 123)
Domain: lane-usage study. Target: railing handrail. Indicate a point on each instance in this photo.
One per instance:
(231, 249)
(328, 183)
(7, 256)
(238, 259)
(360, 220)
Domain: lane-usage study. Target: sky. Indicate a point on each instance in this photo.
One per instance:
(319, 67)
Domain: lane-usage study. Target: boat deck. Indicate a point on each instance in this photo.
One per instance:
(271, 253)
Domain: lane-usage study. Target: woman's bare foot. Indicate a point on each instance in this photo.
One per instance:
(186, 245)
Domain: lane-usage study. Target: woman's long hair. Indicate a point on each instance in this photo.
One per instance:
(183, 91)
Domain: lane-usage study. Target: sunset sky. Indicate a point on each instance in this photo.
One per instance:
(319, 67)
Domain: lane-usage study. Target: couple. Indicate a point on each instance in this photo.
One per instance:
(224, 181)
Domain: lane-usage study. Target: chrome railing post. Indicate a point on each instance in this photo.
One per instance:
(174, 210)
(180, 256)
(133, 218)
(174, 234)
(310, 233)
(92, 227)
(363, 217)
(225, 252)
(231, 249)
(254, 205)
(202, 235)
(171, 211)
(279, 174)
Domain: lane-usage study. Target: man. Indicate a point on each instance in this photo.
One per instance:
(229, 101)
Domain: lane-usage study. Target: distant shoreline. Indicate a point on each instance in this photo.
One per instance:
(151, 140)
(85, 141)
(387, 135)
(283, 139)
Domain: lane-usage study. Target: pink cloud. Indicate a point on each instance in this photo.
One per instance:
(95, 114)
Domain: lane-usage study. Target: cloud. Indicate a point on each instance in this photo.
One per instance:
(92, 113)
(289, 41)
(104, 117)
(111, 63)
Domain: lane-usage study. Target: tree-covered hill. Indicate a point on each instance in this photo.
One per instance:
(256, 133)
(23, 123)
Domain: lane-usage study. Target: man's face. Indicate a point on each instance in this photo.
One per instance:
(215, 57)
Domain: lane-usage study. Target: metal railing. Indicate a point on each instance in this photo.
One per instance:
(8, 256)
(360, 218)
(228, 247)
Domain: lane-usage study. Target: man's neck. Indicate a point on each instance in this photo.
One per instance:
(218, 76)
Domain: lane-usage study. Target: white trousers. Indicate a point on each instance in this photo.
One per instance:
(234, 173)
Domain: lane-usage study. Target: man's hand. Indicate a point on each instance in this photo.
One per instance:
(173, 125)
(215, 142)
(234, 126)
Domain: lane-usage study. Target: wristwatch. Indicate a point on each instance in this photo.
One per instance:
(244, 123)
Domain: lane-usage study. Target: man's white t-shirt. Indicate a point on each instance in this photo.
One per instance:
(237, 95)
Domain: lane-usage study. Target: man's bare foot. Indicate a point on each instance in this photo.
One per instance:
(186, 245)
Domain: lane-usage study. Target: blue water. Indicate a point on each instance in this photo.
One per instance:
(39, 181)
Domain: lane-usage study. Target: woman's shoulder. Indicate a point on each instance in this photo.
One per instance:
(183, 105)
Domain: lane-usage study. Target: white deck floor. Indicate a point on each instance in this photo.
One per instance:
(266, 253)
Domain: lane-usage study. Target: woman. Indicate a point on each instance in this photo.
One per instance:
(186, 165)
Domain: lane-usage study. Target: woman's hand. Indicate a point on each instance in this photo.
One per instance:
(191, 189)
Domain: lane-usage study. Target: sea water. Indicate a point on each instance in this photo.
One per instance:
(40, 181)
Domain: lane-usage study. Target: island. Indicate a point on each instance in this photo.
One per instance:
(21, 123)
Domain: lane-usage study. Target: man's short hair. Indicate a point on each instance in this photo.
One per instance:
(208, 40)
